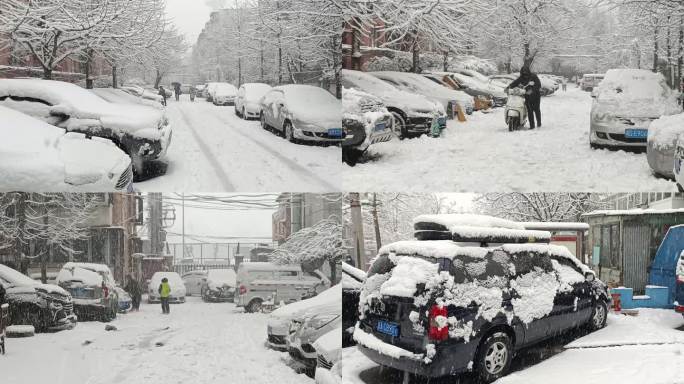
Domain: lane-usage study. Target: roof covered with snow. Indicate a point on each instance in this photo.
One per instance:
(633, 212)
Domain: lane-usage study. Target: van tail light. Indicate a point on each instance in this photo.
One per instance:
(439, 329)
(679, 308)
(243, 289)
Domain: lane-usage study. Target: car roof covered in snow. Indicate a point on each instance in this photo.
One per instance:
(173, 277)
(555, 225)
(329, 297)
(74, 273)
(266, 266)
(436, 249)
(475, 228)
(300, 98)
(632, 212)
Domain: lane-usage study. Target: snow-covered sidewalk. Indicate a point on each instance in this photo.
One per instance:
(199, 343)
(647, 348)
(481, 155)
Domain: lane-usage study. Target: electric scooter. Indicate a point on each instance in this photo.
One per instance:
(516, 112)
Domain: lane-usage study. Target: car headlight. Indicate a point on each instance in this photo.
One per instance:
(320, 321)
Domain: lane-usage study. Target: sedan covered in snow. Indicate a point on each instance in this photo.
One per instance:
(329, 361)
(45, 306)
(142, 132)
(413, 114)
(438, 307)
(625, 104)
(177, 294)
(288, 110)
(366, 121)
(219, 285)
(306, 328)
(223, 94)
(93, 289)
(662, 141)
(247, 102)
(40, 157)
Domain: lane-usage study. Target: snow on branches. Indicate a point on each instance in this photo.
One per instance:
(312, 246)
(559, 207)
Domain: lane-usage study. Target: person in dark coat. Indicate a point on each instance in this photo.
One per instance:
(530, 81)
(133, 289)
(162, 93)
(177, 90)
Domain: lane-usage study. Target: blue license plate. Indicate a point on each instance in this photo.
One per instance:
(335, 132)
(379, 127)
(388, 328)
(636, 133)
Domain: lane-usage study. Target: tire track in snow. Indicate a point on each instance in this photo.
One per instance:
(299, 169)
(218, 169)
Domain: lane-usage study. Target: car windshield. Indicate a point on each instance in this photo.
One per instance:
(15, 278)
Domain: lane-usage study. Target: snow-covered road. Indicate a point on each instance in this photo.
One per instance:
(214, 150)
(199, 343)
(647, 348)
(481, 155)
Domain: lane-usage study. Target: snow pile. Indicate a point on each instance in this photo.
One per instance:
(499, 233)
(663, 132)
(635, 93)
(407, 274)
(372, 342)
(536, 291)
(330, 345)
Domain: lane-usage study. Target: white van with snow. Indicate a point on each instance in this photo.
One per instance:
(260, 282)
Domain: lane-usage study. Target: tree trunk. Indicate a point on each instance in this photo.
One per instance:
(445, 61)
(416, 55)
(19, 244)
(47, 73)
(44, 252)
(680, 54)
(376, 223)
(655, 49)
(157, 79)
(115, 80)
(333, 271)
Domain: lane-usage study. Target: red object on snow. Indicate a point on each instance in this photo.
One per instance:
(616, 302)
(435, 332)
(679, 308)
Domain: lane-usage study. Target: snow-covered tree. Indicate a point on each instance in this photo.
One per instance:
(538, 206)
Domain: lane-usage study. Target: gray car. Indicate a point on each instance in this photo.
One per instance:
(662, 142)
(304, 331)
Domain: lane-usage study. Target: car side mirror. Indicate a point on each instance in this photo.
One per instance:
(589, 277)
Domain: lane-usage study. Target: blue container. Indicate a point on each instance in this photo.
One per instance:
(663, 268)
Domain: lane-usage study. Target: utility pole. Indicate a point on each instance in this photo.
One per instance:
(183, 225)
(357, 230)
(376, 224)
(155, 203)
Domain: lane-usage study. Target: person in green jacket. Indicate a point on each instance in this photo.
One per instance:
(164, 292)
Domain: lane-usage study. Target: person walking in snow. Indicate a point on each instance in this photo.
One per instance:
(177, 90)
(133, 289)
(164, 292)
(565, 84)
(162, 93)
(530, 81)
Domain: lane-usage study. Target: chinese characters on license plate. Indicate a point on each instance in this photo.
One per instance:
(636, 133)
(335, 132)
(388, 328)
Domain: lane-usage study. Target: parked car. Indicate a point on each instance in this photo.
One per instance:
(46, 307)
(193, 281)
(287, 109)
(177, 294)
(590, 81)
(142, 132)
(219, 285)
(247, 102)
(199, 90)
(279, 320)
(223, 94)
(260, 282)
(143, 93)
(474, 79)
(329, 358)
(679, 293)
(93, 289)
(413, 114)
(625, 104)
(475, 88)
(661, 144)
(308, 327)
(207, 92)
(413, 82)
(437, 307)
(352, 281)
(366, 121)
(125, 301)
(39, 157)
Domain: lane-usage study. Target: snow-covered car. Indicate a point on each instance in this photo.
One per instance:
(352, 281)
(207, 91)
(469, 293)
(193, 281)
(93, 289)
(590, 81)
(125, 301)
(661, 144)
(366, 121)
(143, 93)
(288, 110)
(142, 132)
(625, 104)
(306, 328)
(329, 358)
(413, 114)
(262, 282)
(45, 306)
(247, 102)
(219, 285)
(199, 90)
(37, 156)
(475, 80)
(548, 82)
(223, 94)
(279, 320)
(177, 294)
(472, 86)
(413, 82)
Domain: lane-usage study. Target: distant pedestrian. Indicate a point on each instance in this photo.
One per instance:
(162, 93)
(565, 84)
(164, 292)
(133, 289)
(177, 90)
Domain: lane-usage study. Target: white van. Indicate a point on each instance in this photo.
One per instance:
(261, 282)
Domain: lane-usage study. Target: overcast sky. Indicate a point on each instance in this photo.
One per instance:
(189, 16)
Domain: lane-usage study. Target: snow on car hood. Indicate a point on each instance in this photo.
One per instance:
(300, 99)
(217, 278)
(45, 288)
(88, 109)
(224, 90)
(43, 157)
(328, 298)
(330, 345)
(663, 132)
(634, 93)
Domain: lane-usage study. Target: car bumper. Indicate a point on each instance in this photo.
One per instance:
(309, 134)
(661, 159)
(278, 342)
(609, 134)
(219, 296)
(302, 357)
(419, 124)
(68, 322)
(224, 101)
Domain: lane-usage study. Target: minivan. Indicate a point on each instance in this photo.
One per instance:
(466, 297)
(260, 282)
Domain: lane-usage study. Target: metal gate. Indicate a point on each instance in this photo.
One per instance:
(635, 253)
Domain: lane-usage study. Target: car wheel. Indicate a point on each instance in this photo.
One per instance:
(351, 156)
(243, 113)
(512, 124)
(288, 132)
(236, 112)
(399, 125)
(254, 306)
(598, 316)
(494, 357)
